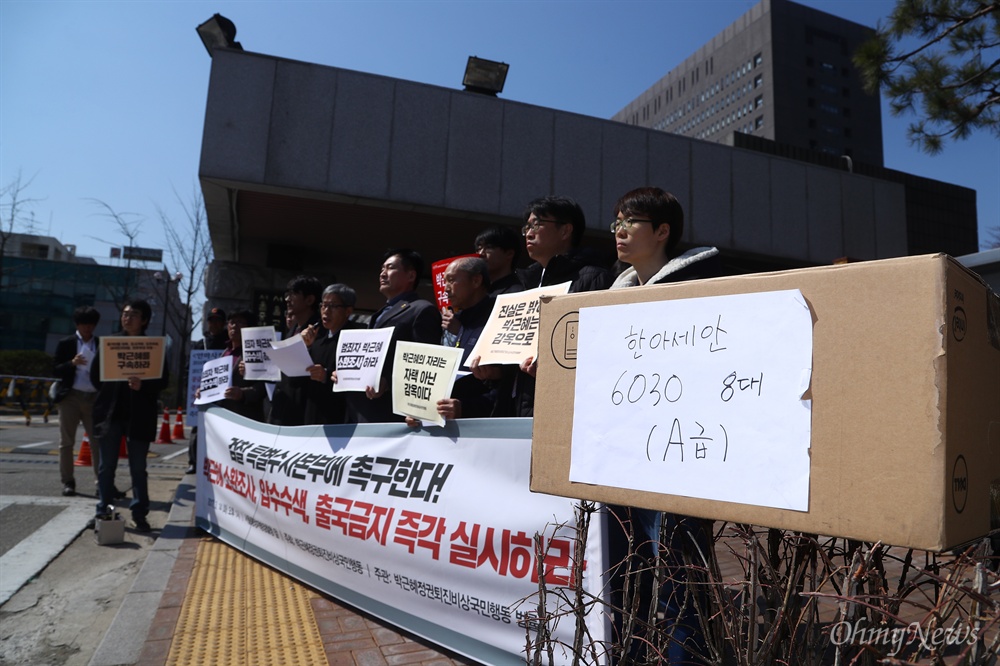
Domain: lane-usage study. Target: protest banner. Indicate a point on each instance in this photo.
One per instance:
(256, 359)
(360, 357)
(196, 361)
(437, 278)
(511, 332)
(422, 374)
(126, 356)
(432, 533)
(216, 377)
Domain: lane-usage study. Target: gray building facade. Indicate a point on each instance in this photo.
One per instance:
(782, 72)
(318, 170)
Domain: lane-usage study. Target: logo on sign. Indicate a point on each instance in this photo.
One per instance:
(958, 323)
(960, 484)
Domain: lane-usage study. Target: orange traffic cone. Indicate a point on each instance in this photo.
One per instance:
(83, 458)
(123, 449)
(179, 425)
(165, 429)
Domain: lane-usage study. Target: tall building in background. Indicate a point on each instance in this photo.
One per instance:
(781, 72)
(780, 80)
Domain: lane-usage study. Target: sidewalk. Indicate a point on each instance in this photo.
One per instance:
(197, 600)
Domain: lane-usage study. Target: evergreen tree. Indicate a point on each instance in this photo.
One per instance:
(940, 60)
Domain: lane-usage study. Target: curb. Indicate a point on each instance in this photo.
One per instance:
(123, 642)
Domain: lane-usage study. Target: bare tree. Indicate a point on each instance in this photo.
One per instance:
(190, 248)
(13, 217)
(128, 225)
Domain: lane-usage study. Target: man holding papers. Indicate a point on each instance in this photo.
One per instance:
(412, 319)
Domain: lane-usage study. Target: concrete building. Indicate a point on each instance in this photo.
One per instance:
(314, 169)
(783, 72)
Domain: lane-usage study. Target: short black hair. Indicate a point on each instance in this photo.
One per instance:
(660, 206)
(503, 237)
(143, 308)
(248, 317)
(85, 314)
(411, 260)
(563, 209)
(307, 286)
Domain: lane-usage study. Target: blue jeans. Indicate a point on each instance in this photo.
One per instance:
(110, 443)
(680, 619)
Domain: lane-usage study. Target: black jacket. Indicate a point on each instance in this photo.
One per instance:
(413, 319)
(63, 369)
(516, 390)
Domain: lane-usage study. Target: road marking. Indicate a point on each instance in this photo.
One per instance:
(33, 446)
(174, 455)
(23, 562)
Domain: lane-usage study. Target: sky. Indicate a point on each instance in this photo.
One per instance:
(104, 101)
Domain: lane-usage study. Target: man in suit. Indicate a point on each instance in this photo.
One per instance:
(412, 318)
(75, 392)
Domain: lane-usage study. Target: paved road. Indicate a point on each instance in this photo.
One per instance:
(59, 590)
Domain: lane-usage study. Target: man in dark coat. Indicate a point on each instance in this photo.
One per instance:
(412, 318)
(322, 405)
(75, 393)
(126, 409)
(553, 229)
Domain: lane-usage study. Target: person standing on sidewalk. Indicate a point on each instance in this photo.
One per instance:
(75, 393)
(126, 409)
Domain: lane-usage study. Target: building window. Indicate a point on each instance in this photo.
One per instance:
(34, 250)
(829, 108)
(827, 67)
(758, 81)
(759, 122)
(758, 60)
(758, 101)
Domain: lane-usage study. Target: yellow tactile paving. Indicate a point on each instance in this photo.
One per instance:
(237, 611)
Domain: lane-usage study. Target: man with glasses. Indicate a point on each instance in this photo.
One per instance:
(647, 228)
(322, 405)
(126, 409)
(553, 228)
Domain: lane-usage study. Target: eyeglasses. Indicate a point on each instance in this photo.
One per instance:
(331, 306)
(129, 314)
(626, 224)
(534, 226)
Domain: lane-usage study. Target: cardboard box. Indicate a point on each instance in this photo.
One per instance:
(905, 389)
(109, 531)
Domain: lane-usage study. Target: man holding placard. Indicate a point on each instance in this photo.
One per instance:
(553, 228)
(413, 319)
(647, 228)
(129, 374)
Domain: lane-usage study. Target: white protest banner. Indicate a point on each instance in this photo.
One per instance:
(197, 360)
(511, 333)
(126, 356)
(422, 374)
(256, 359)
(216, 377)
(700, 397)
(433, 533)
(291, 356)
(360, 357)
